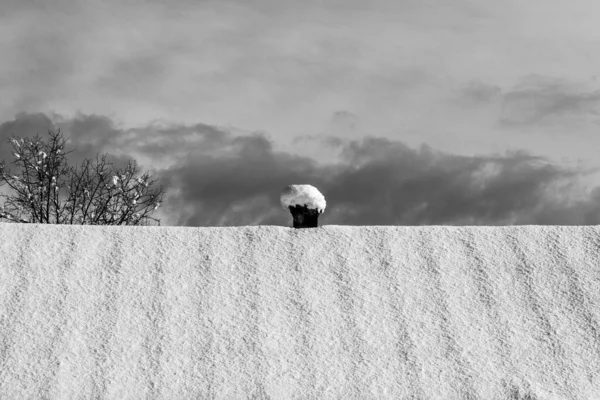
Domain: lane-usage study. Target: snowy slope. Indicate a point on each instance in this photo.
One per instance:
(266, 312)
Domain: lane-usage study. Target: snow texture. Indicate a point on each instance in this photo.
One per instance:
(303, 195)
(268, 312)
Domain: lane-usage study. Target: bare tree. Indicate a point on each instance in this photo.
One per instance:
(48, 191)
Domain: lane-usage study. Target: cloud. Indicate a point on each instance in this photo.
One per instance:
(387, 182)
(541, 100)
(345, 120)
(216, 178)
(39, 58)
(480, 92)
(136, 76)
(246, 170)
(23, 125)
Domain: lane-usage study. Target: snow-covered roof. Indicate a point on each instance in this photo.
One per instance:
(341, 312)
(303, 195)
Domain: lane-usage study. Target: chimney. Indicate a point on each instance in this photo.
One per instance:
(305, 203)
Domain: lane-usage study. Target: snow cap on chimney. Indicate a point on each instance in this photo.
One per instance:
(303, 195)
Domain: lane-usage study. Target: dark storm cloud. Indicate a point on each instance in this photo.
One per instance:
(215, 178)
(385, 182)
(541, 100)
(248, 171)
(23, 125)
(326, 140)
(89, 135)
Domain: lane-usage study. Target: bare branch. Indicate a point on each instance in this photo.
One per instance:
(92, 197)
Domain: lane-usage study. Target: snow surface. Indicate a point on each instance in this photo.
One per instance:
(303, 195)
(267, 312)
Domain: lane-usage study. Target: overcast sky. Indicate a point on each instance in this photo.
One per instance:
(412, 112)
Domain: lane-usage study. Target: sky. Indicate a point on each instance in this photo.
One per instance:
(399, 112)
